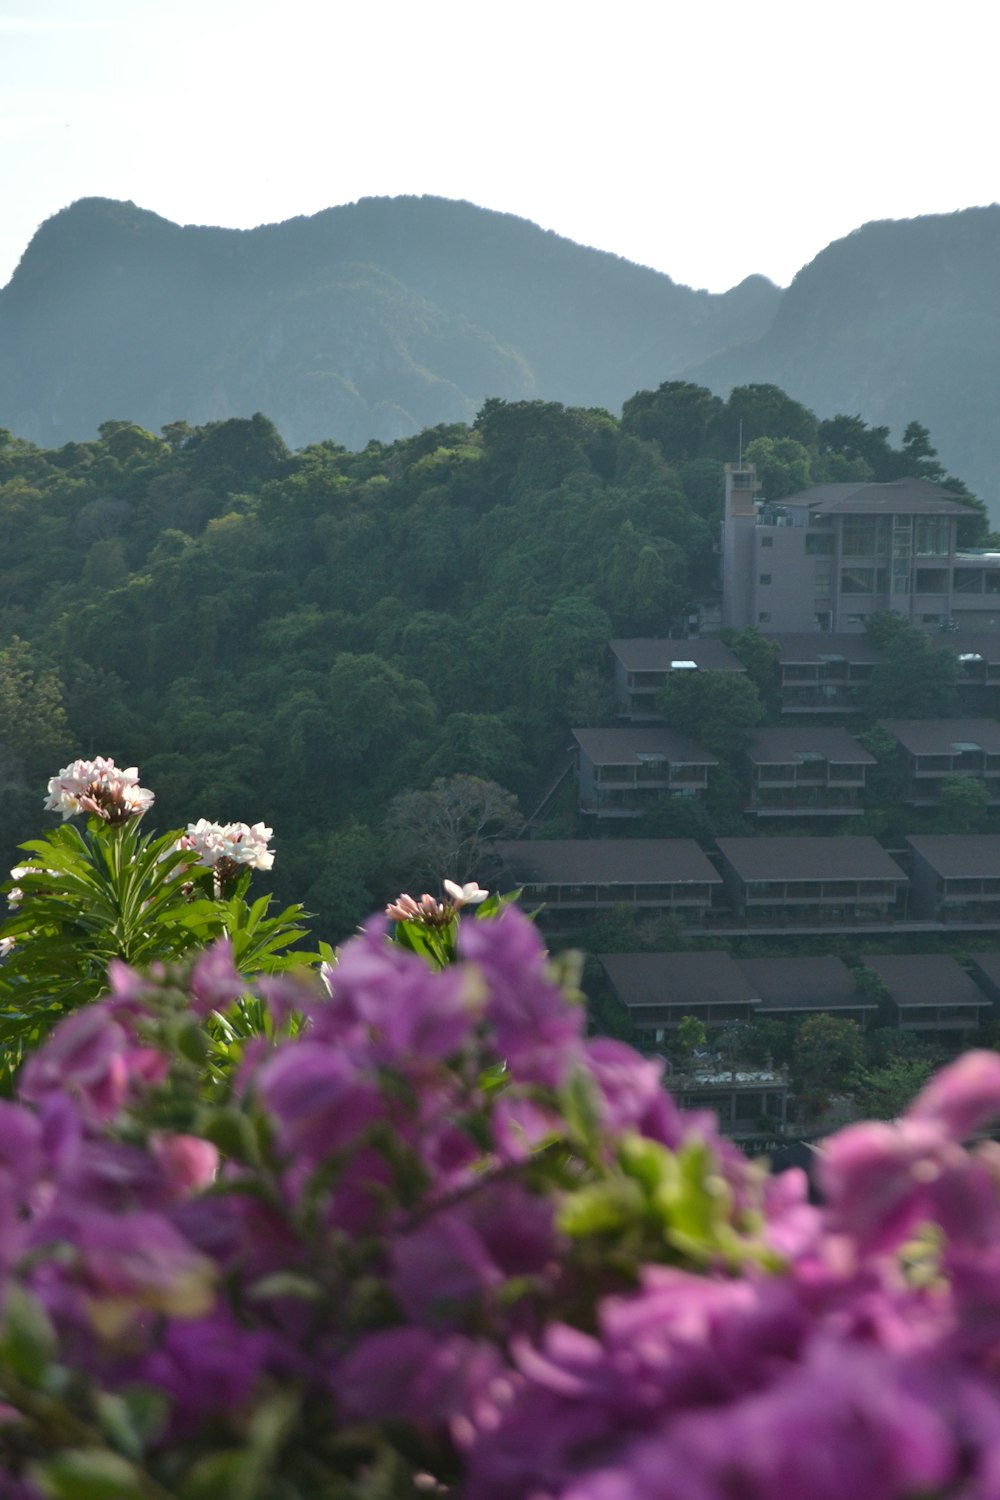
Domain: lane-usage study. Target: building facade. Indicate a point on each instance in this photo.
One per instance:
(798, 772)
(621, 773)
(830, 557)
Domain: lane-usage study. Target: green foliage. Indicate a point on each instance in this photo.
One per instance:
(782, 464)
(915, 678)
(691, 1033)
(443, 832)
(827, 1051)
(883, 1093)
(715, 708)
(109, 892)
(965, 804)
(305, 636)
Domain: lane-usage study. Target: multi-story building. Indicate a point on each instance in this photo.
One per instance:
(659, 989)
(929, 993)
(829, 557)
(798, 772)
(812, 882)
(803, 986)
(956, 878)
(577, 879)
(824, 674)
(642, 665)
(930, 749)
(623, 772)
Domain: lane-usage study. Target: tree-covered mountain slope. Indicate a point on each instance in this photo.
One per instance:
(899, 320)
(372, 320)
(305, 638)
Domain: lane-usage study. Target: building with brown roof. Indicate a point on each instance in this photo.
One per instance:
(804, 986)
(575, 879)
(829, 557)
(824, 674)
(642, 665)
(956, 878)
(929, 993)
(814, 882)
(800, 772)
(930, 749)
(623, 772)
(659, 989)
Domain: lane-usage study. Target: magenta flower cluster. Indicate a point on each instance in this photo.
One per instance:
(435, 1238)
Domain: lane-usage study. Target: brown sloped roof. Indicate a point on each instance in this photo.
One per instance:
(959, 856)
(644, 979)
(607, 861)
(855, 857)
(783, 745)
(802, 983)
(619, 747)
(906, 496)
(925, 979)
(648, 654)
(814, 646)
(941, 736)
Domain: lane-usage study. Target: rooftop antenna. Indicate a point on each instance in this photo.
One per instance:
(740, 459)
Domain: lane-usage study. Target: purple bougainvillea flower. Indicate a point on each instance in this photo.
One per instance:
(207, 1365)
(538, 1031)
(963, 1097)
(430, 1379)
(215, 982)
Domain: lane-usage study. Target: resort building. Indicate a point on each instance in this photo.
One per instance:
(642, 665)
(575, 879)
(930, 749)
(621, 773)
(799, 772)
(812, 882)
(828, 558)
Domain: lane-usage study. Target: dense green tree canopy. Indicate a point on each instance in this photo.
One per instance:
(302, 637)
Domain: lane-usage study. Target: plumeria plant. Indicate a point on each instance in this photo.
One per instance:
(430, 926)
(84, 896)
(437, 1241)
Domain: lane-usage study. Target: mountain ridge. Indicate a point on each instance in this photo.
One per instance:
(374, 319)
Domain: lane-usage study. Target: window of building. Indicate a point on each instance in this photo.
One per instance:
(933, 538)
(767, 541)
(932, 580)
(968, 580)
(764, 578)
(857, 580)
(858, 538)
(764, 617)
(819, 543)
(930, 619)
(824, 619)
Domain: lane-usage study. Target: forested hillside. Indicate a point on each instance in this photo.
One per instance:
(899, 319)
(383, 317)
(303, 638)
(367, 321)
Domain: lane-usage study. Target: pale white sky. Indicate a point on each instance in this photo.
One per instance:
(707, 138)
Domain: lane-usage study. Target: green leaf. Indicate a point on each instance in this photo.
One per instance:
(131, 1419)
(603, 1208)
(227, 1475)
(28, 1340)
(89, 1474)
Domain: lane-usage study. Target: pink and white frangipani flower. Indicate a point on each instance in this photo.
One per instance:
(98, 787)
(464, 895)
(238, 843)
